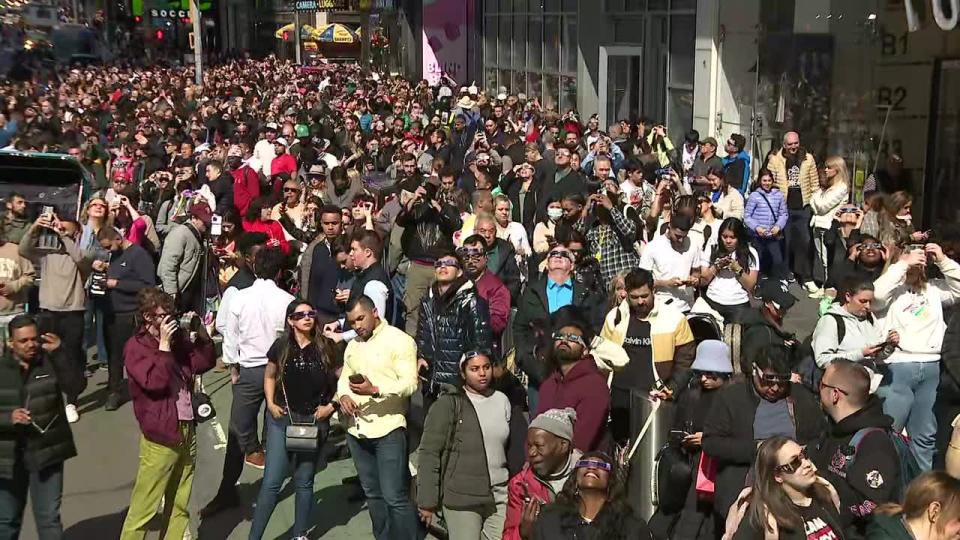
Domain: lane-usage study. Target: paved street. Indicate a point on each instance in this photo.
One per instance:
(98, 481)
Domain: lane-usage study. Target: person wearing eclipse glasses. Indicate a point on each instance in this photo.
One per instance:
(592, 505)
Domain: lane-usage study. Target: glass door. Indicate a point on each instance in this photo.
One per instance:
(621, 91)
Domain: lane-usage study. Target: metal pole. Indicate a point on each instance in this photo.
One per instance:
(365, 35)
(296, 32)
(197, 43)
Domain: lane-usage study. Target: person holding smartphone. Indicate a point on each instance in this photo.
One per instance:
(36, 439)
(692, 518)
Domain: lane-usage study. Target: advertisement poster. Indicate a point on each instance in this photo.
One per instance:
(445, 31)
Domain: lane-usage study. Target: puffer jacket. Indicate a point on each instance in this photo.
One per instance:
(451, 324)
(809, 177)
(44, 383)
(760, 214)
(825, 203)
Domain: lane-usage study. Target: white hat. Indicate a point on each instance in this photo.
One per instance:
(203, 147)
(502, 96)
(473, 90)
(280, 140)
(445, 91)
(273, 126)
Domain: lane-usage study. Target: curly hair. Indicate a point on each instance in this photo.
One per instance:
(616, 509)
(151, 298)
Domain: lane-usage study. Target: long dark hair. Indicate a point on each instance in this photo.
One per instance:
(616, 508)
(742, 253)
(290, 347)
(768, 496)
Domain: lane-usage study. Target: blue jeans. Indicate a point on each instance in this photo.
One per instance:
(278, 462)
(771, 257)
(909, 391)
(382, 467)
(46, 492)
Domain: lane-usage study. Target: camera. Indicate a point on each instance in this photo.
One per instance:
(189, 322)
(663, 172)
(216, 225)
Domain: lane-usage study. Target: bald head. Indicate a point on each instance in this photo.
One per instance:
(791, 142)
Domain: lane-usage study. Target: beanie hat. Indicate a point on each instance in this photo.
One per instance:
(556, 421)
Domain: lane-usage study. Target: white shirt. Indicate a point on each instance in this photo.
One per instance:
(664, 262)
(252, 319)
(263, 153)
(724, 289)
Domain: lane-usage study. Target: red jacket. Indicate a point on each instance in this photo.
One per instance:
(246, 188)
(156, 377)
(585, 390)
(491, 289)
(526, 485)
(273, 229)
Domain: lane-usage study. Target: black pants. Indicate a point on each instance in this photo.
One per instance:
(68, 325)
(117, 329)
(799, 253)
(946, 408)
(730, 314)
(242, 436)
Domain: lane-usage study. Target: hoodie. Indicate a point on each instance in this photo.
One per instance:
(874, 476)
(858, 335)
(584, 389)
(917, 315)
(737, 169)
(884, 527)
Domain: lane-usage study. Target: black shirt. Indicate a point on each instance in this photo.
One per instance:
(308, 382)
(638, 374)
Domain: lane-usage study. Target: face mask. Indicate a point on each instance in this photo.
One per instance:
(554, 213)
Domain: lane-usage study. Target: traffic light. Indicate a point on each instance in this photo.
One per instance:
(159, 35)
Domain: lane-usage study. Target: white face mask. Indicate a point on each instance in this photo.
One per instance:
(554, 213)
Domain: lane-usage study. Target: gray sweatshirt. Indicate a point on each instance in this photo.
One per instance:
(63, 273)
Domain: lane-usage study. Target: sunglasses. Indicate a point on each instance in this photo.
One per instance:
(291, 190)
(557, 253)
(794, 464)
(593, 464)
(443, 263)
(41, 430)
(772, 378)
(571, 338)
(300, 315)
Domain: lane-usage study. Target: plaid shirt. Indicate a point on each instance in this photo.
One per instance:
(613, 245)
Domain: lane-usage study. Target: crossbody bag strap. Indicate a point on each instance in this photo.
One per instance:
(283, 387)
(770, 206)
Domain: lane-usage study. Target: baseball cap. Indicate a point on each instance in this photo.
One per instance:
(280, 140)
(711, 141)
(302, 130)
(773, 291)
(272, 126)
(444, 91)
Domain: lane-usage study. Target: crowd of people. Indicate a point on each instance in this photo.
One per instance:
(486, 297)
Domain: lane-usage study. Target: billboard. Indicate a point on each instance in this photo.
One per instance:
(446, 25)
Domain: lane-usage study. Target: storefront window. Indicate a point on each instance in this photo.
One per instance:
(529, 45)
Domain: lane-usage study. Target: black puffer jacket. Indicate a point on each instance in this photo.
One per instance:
(451, 324)
(43, 384)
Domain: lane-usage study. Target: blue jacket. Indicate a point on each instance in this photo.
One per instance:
(745, 180)
(758, 213)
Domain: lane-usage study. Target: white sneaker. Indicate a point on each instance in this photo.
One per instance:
(72, 415)
(811, 287)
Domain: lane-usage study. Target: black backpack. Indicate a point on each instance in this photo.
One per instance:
(806, 366)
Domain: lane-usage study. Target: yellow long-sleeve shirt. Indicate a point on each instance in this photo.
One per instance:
(389, 361)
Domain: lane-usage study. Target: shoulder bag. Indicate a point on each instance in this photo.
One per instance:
(300, 437)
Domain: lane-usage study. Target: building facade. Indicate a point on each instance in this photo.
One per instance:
(849, 75)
